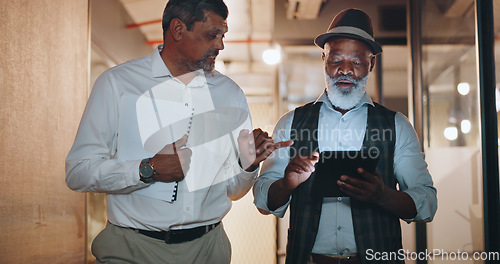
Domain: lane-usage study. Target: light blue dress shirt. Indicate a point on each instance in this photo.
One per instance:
(337, 132)
(110, 145)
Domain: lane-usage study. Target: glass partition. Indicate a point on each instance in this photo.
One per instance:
(496, 9)
(452, 128)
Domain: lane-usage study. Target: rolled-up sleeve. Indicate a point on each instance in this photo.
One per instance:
(273, 167)
(411, 171)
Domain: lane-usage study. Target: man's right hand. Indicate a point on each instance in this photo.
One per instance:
(172, 162)
(299, 169)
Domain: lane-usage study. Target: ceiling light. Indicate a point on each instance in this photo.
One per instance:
(463, 88)
(451, 133)
(272, 56)
(465, 126)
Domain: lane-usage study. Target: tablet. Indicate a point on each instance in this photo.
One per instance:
(333, 164)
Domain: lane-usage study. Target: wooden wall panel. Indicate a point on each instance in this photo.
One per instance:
(44, 50)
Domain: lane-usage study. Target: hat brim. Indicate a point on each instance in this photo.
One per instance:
(321, 39)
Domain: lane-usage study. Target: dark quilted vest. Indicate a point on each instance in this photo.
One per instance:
(374, 228)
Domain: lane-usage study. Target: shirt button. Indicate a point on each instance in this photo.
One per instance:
(339, 228)
(339, 199)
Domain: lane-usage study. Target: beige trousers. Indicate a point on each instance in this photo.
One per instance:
(116, 245)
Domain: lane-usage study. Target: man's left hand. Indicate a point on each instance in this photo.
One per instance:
(256, 147)
(370, 188)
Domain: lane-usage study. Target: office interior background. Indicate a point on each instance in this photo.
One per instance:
(53, 50)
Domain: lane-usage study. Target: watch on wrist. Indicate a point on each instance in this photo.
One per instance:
(146, 171)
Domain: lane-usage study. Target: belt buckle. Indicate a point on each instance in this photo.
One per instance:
(185, 235)
(167, 237)
(171, 236)
(344, 259)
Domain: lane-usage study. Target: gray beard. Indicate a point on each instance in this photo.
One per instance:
(206, 67)
(201, 64)
(345, 99)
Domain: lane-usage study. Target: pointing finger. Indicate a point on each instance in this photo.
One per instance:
(283, 144)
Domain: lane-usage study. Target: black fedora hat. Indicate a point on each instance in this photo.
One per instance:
(350, 23)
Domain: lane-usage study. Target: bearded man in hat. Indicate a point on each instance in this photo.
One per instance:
(362, 224)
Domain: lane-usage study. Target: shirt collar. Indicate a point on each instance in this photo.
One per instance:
(159, 69)
(364, 100)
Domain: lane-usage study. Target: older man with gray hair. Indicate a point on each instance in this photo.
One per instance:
(362, 219)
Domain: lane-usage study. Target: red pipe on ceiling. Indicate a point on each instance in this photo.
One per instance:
(143, 23)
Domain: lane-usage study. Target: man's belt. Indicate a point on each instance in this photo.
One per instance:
(327, 259)
(179, 236)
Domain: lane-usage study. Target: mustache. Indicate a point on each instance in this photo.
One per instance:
(344, 78)
(212, 53)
